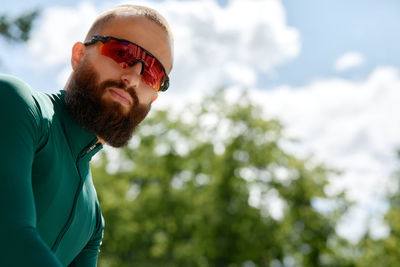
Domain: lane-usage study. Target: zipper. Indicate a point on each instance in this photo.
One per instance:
(91, 149)
(77, 193)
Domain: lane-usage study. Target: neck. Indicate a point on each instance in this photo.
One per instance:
(101, 140)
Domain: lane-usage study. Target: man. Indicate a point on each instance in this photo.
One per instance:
(50, 214)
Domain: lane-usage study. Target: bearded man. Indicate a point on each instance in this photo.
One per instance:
(50, 212)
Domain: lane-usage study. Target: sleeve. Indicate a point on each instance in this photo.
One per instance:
(21, 244)
(88, 256)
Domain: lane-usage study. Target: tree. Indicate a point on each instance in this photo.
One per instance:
(384, 251)
(17, 29)
(212, 186)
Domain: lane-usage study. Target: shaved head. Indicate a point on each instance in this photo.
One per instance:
(128, 10)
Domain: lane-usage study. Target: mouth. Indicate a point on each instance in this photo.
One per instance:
(120, 96)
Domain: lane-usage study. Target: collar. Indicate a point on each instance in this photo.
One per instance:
(83, 144)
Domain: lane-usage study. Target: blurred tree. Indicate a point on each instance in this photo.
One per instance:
(384, 251)
(211, 186)
(17, 29)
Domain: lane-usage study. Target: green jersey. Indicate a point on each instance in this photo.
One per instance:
(50, 214)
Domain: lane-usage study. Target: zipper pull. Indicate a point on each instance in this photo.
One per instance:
(91, 148)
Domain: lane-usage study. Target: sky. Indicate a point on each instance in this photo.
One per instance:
(329, 70)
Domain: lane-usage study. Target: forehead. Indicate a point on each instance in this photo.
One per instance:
(144, 32)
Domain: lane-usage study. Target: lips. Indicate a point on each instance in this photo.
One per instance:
(121, 96)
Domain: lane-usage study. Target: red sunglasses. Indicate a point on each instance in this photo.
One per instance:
(127, 54)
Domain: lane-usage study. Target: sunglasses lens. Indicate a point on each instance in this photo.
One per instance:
(153, 73)
(127, 54)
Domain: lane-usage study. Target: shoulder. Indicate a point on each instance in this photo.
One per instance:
(19, 105)
(15, 91)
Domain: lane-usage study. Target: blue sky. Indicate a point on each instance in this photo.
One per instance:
(328, 69)
(332, 28)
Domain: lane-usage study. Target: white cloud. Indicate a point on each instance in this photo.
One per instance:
(350, 124)
(348, 61)
(217, 46)
(59, 28)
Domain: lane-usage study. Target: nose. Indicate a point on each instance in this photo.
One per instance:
(132, 75)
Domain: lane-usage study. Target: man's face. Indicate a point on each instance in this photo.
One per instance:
(109, 100)
(86, 101)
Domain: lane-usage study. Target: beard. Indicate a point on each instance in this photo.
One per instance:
(103, 117)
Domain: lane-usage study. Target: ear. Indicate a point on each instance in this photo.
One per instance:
(78, 51)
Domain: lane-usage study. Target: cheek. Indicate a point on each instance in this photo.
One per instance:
(146, 94)
(106, 69)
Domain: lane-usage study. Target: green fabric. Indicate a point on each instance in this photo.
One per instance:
(50, 215)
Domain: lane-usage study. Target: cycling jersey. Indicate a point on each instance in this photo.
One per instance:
(50, 214)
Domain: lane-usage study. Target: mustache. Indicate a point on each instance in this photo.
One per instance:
(114, 83)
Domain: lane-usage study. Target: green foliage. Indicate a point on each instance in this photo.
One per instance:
(384, 251)
(212, 186)
(17, 29)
